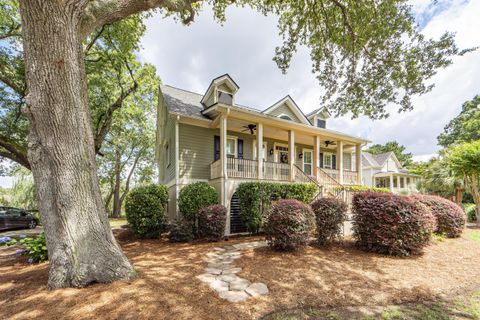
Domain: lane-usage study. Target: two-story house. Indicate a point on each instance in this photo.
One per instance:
(385, 171)
(210, 137)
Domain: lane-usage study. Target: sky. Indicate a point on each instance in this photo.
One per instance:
(189, 57)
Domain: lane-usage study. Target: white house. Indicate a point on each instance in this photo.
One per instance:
(385, 171)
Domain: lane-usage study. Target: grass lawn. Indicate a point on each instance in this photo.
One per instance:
(338, 282)
(117, 223)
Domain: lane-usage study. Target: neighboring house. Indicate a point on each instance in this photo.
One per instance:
(210, 137)
(385, 171)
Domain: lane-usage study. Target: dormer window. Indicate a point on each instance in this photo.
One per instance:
(225, 98)
(285, 117)
(321, 123)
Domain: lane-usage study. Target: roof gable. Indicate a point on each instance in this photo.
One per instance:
(224, 83)
(379, 160)
(287, 106)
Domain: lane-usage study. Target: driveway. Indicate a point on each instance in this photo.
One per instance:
(19, 232)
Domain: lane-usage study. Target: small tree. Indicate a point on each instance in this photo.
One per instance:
(464, 162)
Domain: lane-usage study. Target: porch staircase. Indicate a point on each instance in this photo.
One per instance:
(326, 185)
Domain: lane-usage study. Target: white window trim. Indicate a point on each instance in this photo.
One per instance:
(235, 138)
(223, 91)
(265, 148)
(285, 115)
(303, 159)
(329, 154)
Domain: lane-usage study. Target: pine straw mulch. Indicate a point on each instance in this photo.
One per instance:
(166, 288)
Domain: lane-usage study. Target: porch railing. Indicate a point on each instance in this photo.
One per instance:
(242, 168)
(329, 184)
(276, 171)
(350, 177)
(215, 169)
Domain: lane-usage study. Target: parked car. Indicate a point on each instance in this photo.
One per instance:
(14, 218)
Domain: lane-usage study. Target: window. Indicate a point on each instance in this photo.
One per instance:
(285, 117)
(321, 123)
(327, 160)
(167, 153)
(225, 98)
(307, 161)
(232, 147)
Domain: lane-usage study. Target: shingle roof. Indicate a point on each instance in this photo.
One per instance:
(368, 160)
(382, 157)
(183, 102)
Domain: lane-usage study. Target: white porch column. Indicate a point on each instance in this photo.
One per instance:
(291, 153)
(260, 154)
(398, 182)
(340, 161)
(391, 182)
(223, 145)
(358, 163)
(316, 155)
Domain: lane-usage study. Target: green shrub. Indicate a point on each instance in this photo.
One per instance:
(450, 216)
(391, 224)
(330, 214)
(470, 212)
(255, 199)
(181, 231)
(194, 197)
(35, 248)
(211, 222)
(365, 188)
(145, 210)
(289, 225)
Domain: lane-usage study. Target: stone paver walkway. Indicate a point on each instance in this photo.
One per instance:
(221, 273)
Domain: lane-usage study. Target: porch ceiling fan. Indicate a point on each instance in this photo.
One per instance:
(251, 128)
(330, 142)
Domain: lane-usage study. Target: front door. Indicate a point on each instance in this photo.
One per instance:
(307, 161)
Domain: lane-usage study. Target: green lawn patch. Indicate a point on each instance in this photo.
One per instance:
(474, 235)
(116, 223)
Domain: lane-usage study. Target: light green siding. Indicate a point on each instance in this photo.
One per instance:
(347, 161)
(165, 135)
(197, 150)
(284, 109)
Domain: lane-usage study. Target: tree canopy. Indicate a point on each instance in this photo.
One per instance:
(465, 127)
(393, 146)
(113, 74)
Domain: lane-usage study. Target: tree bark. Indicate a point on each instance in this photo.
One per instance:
(81, 246)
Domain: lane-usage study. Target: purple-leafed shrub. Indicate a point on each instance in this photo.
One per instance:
(289, 225)
(391, 224)
(450, 217)
(211, 222)
(330, 214)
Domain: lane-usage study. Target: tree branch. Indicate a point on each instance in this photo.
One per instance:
(94, 40)
(14, 152)
(10, 83)
(100, 12)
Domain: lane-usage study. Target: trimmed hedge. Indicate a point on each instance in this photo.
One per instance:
(450, 217)
(181, 231)
(289, 225)
(211, 222)
(365, 188)
(330, 214)
(193, 198)
(145, 210)
(391, 224)
(255, 199)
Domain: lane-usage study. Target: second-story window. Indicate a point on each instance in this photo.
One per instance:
(321, 123)
(225, 98)
(231, 147)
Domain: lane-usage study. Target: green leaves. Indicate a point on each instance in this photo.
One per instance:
(465, 127)
(464, 159)
(393, 146)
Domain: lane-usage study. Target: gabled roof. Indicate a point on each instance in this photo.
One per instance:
(318, 111)
(378, 160)
(218, 80)
(287, 100)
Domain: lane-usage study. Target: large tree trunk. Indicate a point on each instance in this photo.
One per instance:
(81, 246)
(117, 205)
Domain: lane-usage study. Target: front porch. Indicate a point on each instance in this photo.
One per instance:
(396, 181)
(287, 153)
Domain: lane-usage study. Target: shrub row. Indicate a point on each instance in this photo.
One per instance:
(193, 198)
(365, 188)
(255, 199)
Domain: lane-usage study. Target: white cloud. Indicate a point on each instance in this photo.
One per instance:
(189, 57)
